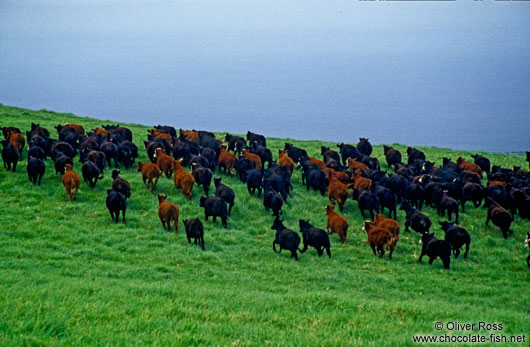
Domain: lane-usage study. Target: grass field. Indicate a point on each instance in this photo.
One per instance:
(70, 276)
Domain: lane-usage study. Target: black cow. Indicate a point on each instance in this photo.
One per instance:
(328, 154)
(91, 173)
(233, 141)
(387, 199)
(448, 204)
(36, 170)
(285, 238)
(10, 155)
(224, 192)
(314, 237)
(295, 153)
(392, 155)
(36, 152)
(215, 207)
(194, 230)
(256, 138)
(263, 152)
(120, 185)
(347, 151)
(366, 201)
(99, 158)
(116, 202)
(203, 176)
(364, 146)
(433, 248)
(499, 216)
(271, 198)
(254, 181)
(60, 162)
(483, 162)
(111, 152)
(414, 154)
(457, 237)
(415, 219)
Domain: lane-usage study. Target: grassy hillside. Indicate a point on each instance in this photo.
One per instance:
(70, 276)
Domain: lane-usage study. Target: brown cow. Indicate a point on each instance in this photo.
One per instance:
(469, 166)
(226, 160)
(378, 237)
(161, 135)
(337, 191)
(71, 181)
(391, 225)
(319, 162)
(18, 141)
(360, 182)
(149, 172)
(167, 212)
(190, 135)
(164, 161)
(254, 158)
(78, 128)
(183, 179)
(336, 223)
(341, 176)
(354, 164)
(284, 160)
(101, 132)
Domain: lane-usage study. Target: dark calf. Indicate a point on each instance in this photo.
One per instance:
(415, 219)
(364, 146)
(224, 192)
(414, 154)
(483, 162)
(98, 158)
(36, 152)
(215, 207)
(285, 238)
(254, 181)
(415, 194)
(448, 204)
(393, 156)
(194, 230)
(91, 173)
(203, 177)
(115, 203)
(256, 138)
(347, 151)
(120, 185)
(457, 237)
(387, 199)
(271, 198)
(499, 216)
(36, 169)
(314, 237)
(433, 248)
(367, 201)
(295, 153)
(61, 161)
(10, 155)
(473, 192)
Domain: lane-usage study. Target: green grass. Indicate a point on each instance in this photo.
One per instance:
(70, 276)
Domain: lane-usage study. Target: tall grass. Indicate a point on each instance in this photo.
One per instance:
(70, 276)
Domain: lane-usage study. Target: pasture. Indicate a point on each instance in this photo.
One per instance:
(71, 276)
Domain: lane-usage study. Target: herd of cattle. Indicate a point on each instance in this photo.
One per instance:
(351, 168)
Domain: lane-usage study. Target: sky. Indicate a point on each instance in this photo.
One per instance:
(447, 74)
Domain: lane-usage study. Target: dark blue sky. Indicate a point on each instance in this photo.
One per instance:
(450, 74)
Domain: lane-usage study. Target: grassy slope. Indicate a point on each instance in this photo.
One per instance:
(70, 276)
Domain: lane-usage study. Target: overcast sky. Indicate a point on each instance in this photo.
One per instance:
(414, 66)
